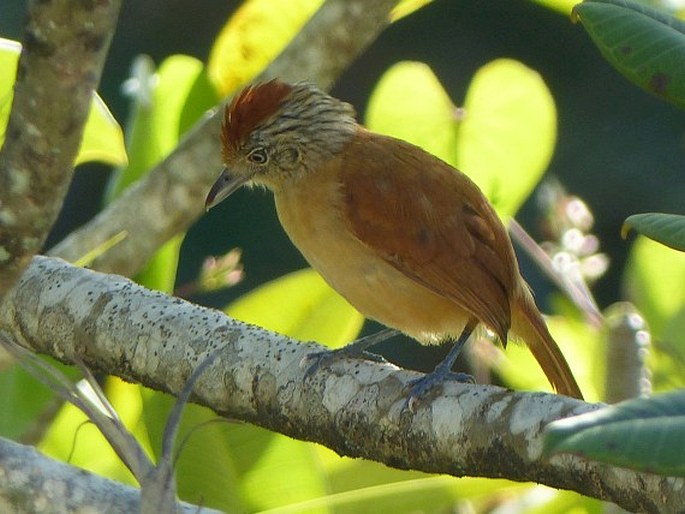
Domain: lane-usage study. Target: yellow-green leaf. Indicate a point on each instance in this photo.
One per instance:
(654, 279)
(160, 271)
(507, 137)
(154, 128)
(562, 6)
(667, 229)
(410, 103)
(405, 8)
(257, 32)
(265, 486)
(503, 138)
(300, 305)
(103, 139)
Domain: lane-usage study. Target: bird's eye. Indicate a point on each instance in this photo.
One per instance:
(258, 156)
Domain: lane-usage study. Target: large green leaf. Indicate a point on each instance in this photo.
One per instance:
(646, 45)
(508, 134)
(642, 434)
(667, 229)
(259, 30)
(102, 137)
(160, 100)
(256, 33)
(300, 305)
(653, 281)
(503, 138)
(409, 103)
(159, 272)
(23, 399)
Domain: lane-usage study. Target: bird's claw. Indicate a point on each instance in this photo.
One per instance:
(422, 385)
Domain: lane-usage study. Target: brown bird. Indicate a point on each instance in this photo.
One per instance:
(407, 239)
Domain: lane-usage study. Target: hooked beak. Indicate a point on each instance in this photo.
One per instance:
(224, 186)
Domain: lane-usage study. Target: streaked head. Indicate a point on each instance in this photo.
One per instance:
(275, 132)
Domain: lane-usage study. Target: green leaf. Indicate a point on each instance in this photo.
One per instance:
(667, 229)
(654, 282)
(160, 271)
(103, 140)
(563, 6)
(406, 7)
(300, 305)
(24, 399)
(646, 45)
(256, 33)
(160, 106)
(409, 103)
(102, 137)
(357, 485)
(641, 434)
(503, 138)
(508, 133)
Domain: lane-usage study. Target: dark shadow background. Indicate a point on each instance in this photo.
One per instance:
(618, 148)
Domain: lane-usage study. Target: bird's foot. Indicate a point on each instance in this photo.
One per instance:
(355, 350)
(424, 384)
(442, 371)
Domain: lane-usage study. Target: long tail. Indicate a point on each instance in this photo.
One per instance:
(528, 324)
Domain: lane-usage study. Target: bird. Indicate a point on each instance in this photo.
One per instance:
(406, 238)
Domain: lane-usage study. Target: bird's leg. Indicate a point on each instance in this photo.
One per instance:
(442, 371)
(356, 350)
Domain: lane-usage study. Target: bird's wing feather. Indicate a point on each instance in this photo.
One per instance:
(430, 222)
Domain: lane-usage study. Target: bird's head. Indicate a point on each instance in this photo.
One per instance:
(274, 133)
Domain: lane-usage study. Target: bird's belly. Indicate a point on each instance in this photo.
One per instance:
(373, 286)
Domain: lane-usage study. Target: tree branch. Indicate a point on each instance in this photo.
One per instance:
(171, 197)
(353, 407)
(33, 482)
(64, 49)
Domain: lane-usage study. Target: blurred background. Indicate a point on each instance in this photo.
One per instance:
(619, 149)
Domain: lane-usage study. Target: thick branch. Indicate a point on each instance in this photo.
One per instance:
(33, 482)
(352, 407)
(65, 44)
(171, 197)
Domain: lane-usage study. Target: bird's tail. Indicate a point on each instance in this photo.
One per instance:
(528, 324)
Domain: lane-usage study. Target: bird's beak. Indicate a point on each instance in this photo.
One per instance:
(224, 186)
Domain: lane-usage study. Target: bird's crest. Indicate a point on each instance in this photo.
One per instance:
(252, 106)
